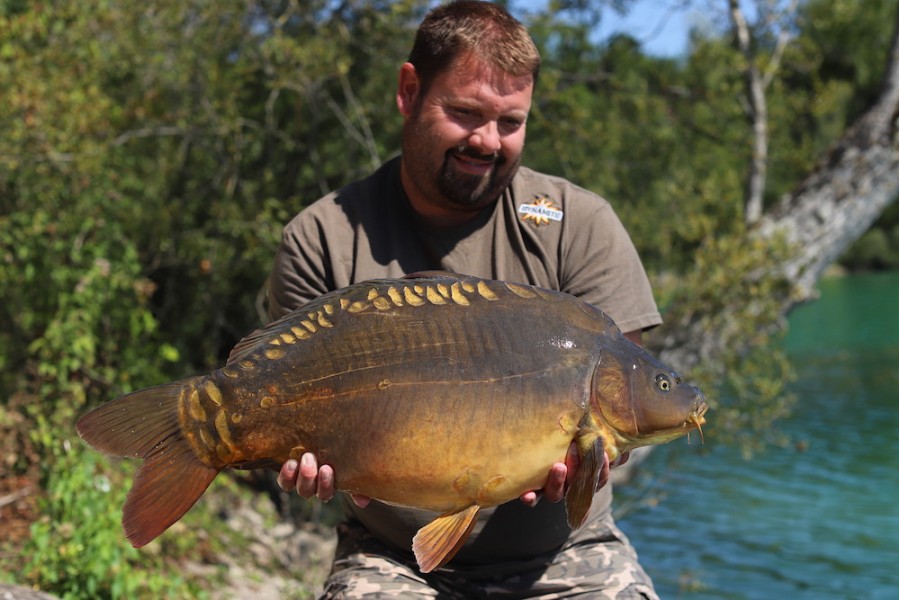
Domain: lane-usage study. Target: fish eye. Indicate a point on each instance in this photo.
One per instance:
(663, 382)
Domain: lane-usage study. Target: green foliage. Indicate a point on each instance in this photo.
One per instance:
(669, 142)
(647, 134)
(77, 549)
(74, 291)
(829, 28)
(733, 297)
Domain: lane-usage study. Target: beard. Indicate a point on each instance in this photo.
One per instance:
(436, 175)
(467, 190)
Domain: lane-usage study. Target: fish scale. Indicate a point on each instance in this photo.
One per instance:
(467, 391)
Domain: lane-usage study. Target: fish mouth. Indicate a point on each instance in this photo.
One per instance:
(697, 419)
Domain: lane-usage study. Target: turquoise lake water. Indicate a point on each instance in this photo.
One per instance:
(816, 524)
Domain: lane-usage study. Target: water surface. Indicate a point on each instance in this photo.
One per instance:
(816, 520)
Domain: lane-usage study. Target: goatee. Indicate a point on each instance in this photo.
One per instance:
(464, 189)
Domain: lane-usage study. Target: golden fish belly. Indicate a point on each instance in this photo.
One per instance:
(446, 465)
(437, 445)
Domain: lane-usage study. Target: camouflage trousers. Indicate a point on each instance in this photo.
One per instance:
(597, 562)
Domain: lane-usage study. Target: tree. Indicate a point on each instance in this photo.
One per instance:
(846, 192)
(758, 274)
(850, 186)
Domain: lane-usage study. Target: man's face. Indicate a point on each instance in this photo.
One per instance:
(463, 139)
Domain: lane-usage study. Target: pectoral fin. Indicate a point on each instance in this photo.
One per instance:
(438, 541)
(580, 495)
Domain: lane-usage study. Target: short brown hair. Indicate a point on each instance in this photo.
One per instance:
(484, 29)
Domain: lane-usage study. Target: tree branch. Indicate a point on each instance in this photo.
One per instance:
(758, 116)
(783, 38)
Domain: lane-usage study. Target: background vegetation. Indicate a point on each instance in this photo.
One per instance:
(151, 152)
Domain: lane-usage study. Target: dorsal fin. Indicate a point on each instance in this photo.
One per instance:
(248, 344)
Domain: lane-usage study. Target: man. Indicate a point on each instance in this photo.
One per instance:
(457, 199)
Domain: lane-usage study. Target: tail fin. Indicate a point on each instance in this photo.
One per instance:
(145, 424)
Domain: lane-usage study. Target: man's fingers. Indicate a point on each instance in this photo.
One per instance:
(325, 487)
(531, 498)
(307, 478)
(554, 490)
(308, 473)
(287, 476)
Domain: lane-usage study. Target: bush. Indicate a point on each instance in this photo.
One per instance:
(77, 549)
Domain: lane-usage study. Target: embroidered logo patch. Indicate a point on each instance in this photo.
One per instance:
(540, 212)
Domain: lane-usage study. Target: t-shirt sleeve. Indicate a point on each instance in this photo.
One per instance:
(301, 270)
(602, 267)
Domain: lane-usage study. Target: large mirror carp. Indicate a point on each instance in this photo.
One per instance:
(447, 393)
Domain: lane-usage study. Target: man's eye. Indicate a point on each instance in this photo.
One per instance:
(511, 124)
(465, 113)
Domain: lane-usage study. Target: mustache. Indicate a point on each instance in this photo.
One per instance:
(470, 152)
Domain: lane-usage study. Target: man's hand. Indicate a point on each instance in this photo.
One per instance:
(309, 480)
(561, 475)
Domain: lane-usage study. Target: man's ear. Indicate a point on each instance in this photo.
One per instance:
(408, 89)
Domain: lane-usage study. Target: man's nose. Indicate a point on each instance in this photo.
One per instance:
(486, 138)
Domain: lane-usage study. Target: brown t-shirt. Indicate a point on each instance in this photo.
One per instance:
(543, 231)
